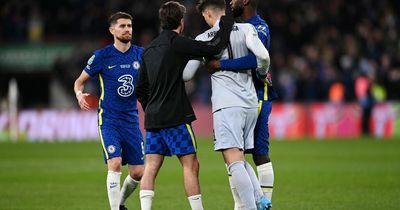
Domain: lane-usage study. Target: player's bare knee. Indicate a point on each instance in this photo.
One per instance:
(114, 164)
(261, 159)
(232, 155)
(191, 164)
(152, 165)
(151, 170)
(195, 166)
(136, 173)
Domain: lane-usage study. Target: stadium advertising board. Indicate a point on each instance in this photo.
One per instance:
(51, 125)
(36, 58)
(334, 121)
(287, 121)
(383, 120)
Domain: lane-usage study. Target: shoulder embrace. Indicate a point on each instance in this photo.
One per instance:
(206, 35)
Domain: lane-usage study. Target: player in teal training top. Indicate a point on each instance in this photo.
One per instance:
(117, 66)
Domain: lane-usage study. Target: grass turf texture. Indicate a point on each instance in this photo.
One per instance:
(343, 175)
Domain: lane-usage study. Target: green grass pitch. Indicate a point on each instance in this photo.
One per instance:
(329, 175)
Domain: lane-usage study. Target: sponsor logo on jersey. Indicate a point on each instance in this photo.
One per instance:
(125, 66)
(127, 87)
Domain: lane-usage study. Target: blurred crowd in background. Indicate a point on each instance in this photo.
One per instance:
(319, 49)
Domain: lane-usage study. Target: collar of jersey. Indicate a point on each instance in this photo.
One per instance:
(116, 50)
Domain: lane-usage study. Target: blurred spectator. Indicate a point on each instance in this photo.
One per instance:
(363, 89)
(336, 93)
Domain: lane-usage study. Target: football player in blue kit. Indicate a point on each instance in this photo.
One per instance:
(117, 66)
(246, 10)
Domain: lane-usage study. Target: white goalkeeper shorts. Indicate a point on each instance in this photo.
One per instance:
(234, 128)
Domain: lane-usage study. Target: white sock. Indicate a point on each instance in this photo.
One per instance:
(146, 199)
(238, 204)
(241, 181)
(266, 177)
(258, 193)
(127, 188)
(113, 187)
(236, 199)
(195, 202)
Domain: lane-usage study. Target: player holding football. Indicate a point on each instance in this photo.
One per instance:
(247, 11)
(117, 66)
(234, 102)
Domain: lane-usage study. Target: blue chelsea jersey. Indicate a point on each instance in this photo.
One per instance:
(117, 74)
(264, 91)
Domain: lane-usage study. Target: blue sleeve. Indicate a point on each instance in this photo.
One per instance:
(93, 66)
(247, 62)
(263, 34)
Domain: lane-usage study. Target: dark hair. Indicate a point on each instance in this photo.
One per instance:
(171, 14)
(203, 4)
(118, 15)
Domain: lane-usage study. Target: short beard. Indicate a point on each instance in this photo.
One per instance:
(124, 40)
(237, 11)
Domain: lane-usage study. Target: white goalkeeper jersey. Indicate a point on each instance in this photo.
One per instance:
(233, 89)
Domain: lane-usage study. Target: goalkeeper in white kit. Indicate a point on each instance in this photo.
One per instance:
(234, 102)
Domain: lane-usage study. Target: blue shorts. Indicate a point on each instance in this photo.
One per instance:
(124, 142)
(177, 140)
(261, 131)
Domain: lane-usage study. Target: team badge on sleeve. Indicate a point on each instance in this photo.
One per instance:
(262, 29)
(90, 61)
